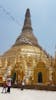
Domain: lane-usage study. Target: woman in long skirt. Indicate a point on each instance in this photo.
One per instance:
(4, 87)
(8, 85)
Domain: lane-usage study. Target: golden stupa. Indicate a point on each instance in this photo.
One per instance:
(26, 60)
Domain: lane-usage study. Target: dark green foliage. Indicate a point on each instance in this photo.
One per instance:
(13, 77)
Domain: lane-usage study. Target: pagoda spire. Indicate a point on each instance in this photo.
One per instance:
(27, 36)
(27, 22)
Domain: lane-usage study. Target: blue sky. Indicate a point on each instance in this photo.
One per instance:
(43, 16)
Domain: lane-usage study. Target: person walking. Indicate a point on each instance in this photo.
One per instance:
(8, 84)
(22, 84)
(4, 87)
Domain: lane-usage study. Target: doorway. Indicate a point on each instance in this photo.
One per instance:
(40, 78)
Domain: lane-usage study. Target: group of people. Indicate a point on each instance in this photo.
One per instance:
(6, 85)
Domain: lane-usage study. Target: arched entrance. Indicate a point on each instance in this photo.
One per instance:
(41, 73)
(40, 80)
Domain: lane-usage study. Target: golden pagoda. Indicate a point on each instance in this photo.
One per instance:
(26, 60)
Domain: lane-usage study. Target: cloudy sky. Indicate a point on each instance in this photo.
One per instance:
(43, 16)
